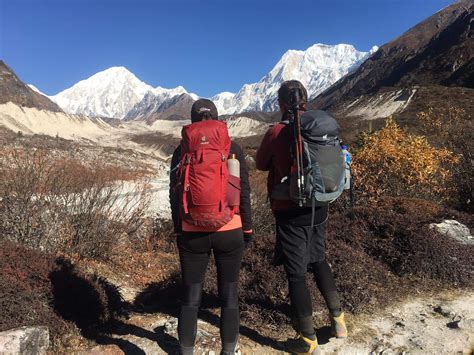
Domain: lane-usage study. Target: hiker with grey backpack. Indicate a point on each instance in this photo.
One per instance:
(307, 170)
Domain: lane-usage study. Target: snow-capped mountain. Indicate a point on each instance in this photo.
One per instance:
(109, 93)
(317, 68)
(118, 93)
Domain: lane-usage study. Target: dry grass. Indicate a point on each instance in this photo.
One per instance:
(36, 288)
(64, 206)
(150, 258)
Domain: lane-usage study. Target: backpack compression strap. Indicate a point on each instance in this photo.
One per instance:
(186, 161)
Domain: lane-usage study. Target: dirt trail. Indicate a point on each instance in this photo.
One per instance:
(434, 325)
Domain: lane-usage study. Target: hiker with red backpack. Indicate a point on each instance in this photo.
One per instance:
(307, 171)
(210, 204)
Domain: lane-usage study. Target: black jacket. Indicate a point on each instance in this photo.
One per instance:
(245, 210)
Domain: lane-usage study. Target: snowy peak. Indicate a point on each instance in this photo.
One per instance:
(110, 93)
(317, 68)
(111, 77)
(116, 92)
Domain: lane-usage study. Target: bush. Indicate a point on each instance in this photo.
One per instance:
(262, 216)
(393, 162)
(38, 289)
(162, 237)
(65, 206)
(25, 289)
(453, 128)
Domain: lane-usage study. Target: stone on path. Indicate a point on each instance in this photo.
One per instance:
(25, 341)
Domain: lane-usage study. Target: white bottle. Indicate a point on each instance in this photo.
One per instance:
(233, 166)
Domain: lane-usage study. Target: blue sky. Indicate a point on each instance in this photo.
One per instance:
(206, 46)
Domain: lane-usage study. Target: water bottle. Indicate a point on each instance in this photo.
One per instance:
(347, 160)
(233, 166)
(347, 155)
(233, 190)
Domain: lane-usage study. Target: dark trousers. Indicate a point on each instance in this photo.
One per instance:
(302, 248)
(194, 253)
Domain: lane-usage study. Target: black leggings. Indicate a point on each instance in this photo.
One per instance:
(194, 252)
(301, 299)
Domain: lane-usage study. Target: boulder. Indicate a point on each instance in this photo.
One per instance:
(25, 341)
(455, 230)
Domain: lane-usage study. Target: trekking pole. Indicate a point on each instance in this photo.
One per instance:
(299, 156)
(295, 136)
(302, 198)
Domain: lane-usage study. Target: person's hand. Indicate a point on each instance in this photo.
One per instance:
(248, 237)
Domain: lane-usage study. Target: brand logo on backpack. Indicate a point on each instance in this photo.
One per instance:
(204, 140)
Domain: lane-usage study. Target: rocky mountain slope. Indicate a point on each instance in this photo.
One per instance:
(154, 107)
(12, 89)
(437, 52)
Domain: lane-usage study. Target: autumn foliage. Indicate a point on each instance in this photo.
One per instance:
(453, 128)
(393, 162)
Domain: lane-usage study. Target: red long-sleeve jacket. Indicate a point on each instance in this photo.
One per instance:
(274, 156)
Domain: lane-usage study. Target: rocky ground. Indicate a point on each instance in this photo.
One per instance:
(434, 324)
(442, 324)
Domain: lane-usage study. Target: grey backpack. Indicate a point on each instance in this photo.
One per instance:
(324, 172)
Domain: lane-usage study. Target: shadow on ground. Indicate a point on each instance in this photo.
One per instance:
(97, 309)
(163, 297)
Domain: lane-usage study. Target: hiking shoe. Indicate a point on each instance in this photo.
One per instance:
(338, 326)
(302, 345)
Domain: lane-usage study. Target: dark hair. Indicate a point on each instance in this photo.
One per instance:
(286, 94)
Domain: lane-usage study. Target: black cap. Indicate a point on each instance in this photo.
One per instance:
(203, 109)
(286, 93)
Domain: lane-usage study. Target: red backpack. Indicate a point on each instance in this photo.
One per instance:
(203, 174)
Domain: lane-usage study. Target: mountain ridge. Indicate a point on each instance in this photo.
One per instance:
(437, 51)
(12, 89)
(118, 93)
